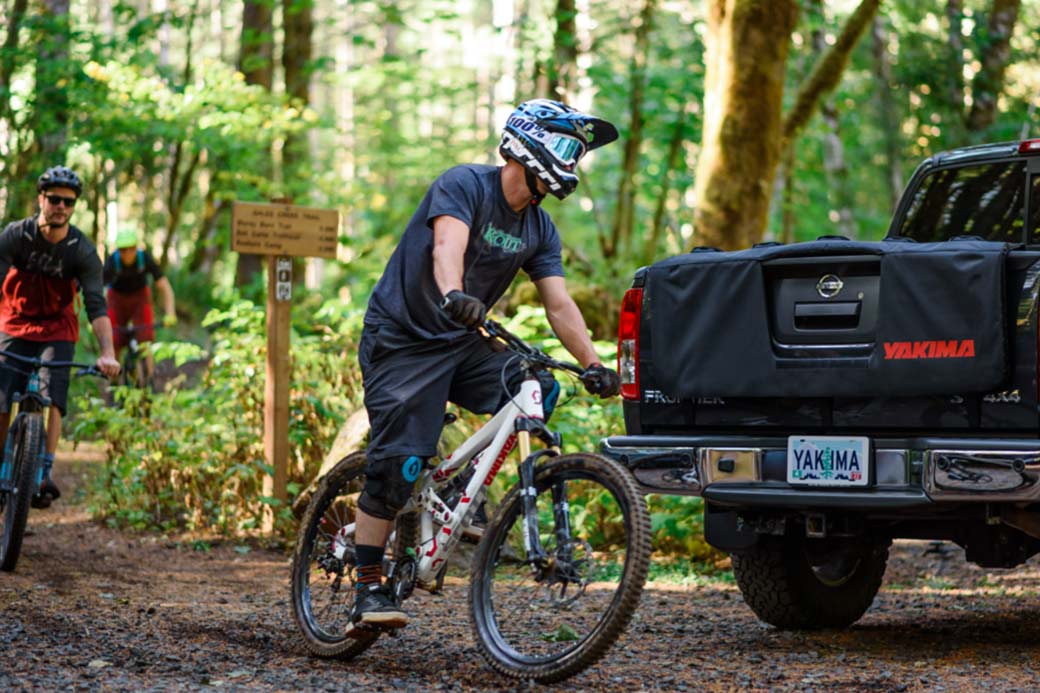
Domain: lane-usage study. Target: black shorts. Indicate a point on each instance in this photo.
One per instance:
(408, 382)
(14, 375)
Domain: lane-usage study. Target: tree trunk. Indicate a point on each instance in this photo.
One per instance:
(671, 162)
(747, 44)
(624, 209)
(833, 148)
(996, 51)
(256, 62)
(827, 71)
(18, 194)
(9, 51)
(954, 74)
(887, 116)
(563, 70)
(52, 72)
(296, 57)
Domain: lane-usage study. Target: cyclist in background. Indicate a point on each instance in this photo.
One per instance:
(474, 230)
(130, 298)
(44, 260)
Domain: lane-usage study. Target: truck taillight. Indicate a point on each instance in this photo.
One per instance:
(1029, 147)
(628, 343)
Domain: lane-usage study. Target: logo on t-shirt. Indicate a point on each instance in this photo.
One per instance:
(497, 238)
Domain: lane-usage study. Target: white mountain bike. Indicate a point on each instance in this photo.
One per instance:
(556, 576)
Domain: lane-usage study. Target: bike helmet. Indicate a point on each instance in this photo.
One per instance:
(59, 177)
(548, 139)
(127, 238)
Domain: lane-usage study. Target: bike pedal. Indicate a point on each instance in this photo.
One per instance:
(358, 631)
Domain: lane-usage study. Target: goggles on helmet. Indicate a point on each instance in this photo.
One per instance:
(564, 148)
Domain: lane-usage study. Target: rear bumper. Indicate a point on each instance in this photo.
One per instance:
(909, 473)
(766, 495)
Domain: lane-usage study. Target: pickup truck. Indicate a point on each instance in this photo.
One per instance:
(826, 397)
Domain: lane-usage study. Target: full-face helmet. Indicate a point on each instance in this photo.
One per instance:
(59, 177)
(548, 139)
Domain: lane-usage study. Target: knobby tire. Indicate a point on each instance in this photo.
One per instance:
(28, 432)
(491, 642)
(349, 469)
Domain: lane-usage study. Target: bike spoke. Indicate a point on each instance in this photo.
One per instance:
(547, 612)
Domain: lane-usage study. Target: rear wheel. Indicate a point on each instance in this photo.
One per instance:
(793, 582)
(19, 484)
(549, 619)
(134, 370)
(324, 562)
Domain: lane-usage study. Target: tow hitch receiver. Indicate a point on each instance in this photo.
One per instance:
(816, 526)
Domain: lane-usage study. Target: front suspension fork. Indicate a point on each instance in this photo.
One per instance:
(536, 555)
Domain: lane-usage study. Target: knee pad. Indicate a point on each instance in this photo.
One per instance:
(388, 485)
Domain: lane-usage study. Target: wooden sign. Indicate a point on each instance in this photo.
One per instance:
(277, 229)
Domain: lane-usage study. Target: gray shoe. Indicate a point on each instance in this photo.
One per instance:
(374, 607)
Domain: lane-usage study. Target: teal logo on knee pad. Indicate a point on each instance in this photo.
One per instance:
(411, 468)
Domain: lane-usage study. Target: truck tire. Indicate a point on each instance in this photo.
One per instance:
(795, 583)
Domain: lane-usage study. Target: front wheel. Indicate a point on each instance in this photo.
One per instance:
(18, 485)
(547, 619)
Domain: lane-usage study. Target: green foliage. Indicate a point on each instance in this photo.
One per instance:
(192, 458)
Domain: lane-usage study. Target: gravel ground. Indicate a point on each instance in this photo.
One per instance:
(93, 608)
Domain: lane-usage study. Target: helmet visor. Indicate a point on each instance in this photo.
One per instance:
(565, 149)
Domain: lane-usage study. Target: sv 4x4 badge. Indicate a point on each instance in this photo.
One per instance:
(931, 349)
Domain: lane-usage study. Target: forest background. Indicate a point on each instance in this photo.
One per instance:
(740, 121)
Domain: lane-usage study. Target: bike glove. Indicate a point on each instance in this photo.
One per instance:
(600, 380)
(463, 308)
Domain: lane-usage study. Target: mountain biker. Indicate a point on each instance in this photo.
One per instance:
(43, 261)
(476, 227)
(129, 296)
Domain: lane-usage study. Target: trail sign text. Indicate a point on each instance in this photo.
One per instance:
(277, 229)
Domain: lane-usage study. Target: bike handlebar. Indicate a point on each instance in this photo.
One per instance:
(37, 363)
(495, 331)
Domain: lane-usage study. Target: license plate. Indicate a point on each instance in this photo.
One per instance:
(828, 460)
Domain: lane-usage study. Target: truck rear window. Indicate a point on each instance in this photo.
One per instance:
(985, 200)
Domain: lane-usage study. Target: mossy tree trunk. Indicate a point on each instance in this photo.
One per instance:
(744, 133)
(988, 83)
(747, 46)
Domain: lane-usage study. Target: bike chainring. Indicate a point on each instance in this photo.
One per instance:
(401, 577)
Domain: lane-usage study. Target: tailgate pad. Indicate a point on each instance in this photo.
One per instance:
(927, 319)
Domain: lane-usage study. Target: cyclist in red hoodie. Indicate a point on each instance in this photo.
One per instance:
(44, 261)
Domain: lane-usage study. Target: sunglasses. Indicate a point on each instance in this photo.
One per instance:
(58, 200)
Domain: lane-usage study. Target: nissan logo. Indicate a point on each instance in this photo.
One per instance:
(829, 286)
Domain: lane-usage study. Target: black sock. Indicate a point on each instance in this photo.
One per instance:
(369, 564)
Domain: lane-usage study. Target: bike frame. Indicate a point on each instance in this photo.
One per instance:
(486, 450)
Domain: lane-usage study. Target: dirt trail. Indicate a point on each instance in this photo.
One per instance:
(93, 608)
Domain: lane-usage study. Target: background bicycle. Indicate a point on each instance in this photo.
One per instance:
(557, 575)
(135, 371)
(21, 471)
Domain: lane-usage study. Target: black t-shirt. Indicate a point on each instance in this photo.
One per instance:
(128, 278)
(74, 257)
(501, 243)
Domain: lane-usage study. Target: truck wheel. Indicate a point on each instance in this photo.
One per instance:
(795, 583)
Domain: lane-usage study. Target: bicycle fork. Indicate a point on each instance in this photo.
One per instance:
(536, 555)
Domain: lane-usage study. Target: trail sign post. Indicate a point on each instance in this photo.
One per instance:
(280, 231)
